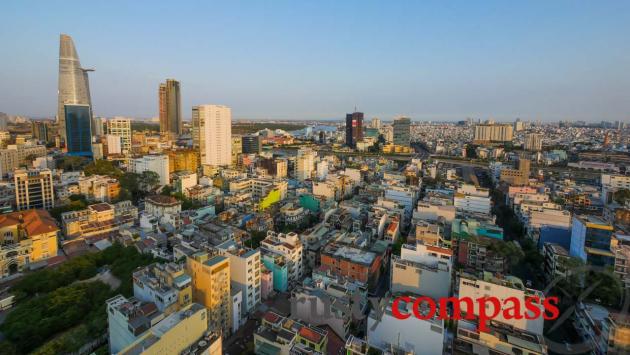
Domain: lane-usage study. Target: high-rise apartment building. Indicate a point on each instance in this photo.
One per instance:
(34, 189)
(98, 124)
(212, 134)
(518, 125)
(211, 288)
(121, 127)
(252, 144)
(170, 107)
(354, 128)
(304, 164)
(402, 131)
(493, 133)
(78, 121)
(4, 118)
(533, 142)
(74, 86)
(376, 123)
(41, 131)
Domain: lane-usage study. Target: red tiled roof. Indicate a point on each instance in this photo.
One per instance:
(100, 207)
(163, 200)
(440, 250)
(148, 308)
(34, 222)
(310, 334)
(271, 317)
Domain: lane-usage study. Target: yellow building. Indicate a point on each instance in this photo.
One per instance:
(211, 288)
(391, 149)
(272, 197)
(183, 159)
(98, 220)
(178, 333)
(26, 237)
(516, 177)
(237, 149)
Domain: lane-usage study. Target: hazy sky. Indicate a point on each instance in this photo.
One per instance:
(546, 60)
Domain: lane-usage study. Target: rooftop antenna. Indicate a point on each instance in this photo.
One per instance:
(355, 108)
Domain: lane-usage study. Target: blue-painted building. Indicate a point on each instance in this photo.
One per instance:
(556, 235)
(78, 120)
(277, 264)
(590, 240)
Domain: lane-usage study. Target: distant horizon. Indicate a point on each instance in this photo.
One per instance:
(431, 61)
(337, 120)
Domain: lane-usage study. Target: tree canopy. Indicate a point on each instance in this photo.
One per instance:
(103, 167)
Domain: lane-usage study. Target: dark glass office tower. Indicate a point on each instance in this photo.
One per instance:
(354, 128)
(251, 144)
(78, 130)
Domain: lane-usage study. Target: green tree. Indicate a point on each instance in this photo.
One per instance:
(167, 190)
(103, 167)
(70, 163)
(471, 151)
(34, 321)
(149, 180)
(125, 195)
(508, 250)
(75, 205)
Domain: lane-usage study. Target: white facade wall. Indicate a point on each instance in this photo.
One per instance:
(478, 288)
(215, 130)
(470, 203)
(156, 163)
(416, 336)
(430, 212)
(416, 278)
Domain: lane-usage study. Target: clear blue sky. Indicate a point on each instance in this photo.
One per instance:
(544, 60)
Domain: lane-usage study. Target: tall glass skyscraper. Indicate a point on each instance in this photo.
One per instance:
(74, 87)
(78, 120)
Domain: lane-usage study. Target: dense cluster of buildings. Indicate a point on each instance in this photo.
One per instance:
(274, 242)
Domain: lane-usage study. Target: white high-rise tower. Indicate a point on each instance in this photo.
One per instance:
(212, 134)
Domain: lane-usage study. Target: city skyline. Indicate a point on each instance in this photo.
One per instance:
(432, 61)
